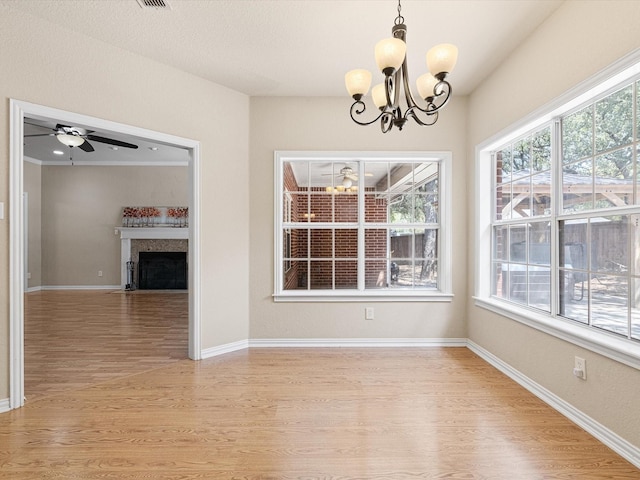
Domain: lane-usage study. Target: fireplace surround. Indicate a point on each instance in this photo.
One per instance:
(134, 240)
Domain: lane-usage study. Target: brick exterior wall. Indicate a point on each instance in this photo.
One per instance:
(333, 252)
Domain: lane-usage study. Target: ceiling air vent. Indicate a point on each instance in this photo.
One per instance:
(156, 4)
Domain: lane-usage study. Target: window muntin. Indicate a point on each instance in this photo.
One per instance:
(587, 241)
(374, 227)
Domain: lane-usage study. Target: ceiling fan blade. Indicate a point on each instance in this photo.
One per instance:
(86, 147)
(111, 141)
(41, 135)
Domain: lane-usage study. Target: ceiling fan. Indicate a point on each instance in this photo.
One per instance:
(348, 176)
(78, 137)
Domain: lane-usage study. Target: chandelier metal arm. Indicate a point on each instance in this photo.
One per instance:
(358, 107)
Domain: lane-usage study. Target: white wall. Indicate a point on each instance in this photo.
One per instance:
(324, 124)
(115, 85)
(82, 205)
(33, 189)
(580, 39)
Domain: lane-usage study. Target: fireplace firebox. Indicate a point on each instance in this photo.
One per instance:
(162, 271)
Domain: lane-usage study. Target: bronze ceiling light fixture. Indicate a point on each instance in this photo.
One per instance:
(391, 59)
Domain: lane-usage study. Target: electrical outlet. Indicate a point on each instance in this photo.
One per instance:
(580, 368)
(99, 273)
(368, 313)
(28, 275)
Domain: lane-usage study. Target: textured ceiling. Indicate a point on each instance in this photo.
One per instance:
(299, 47)
(284, 47)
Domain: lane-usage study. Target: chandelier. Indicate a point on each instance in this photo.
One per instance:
(391, 60)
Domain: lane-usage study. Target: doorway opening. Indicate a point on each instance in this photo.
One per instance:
(21, 110)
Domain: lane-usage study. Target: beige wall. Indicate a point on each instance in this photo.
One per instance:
(324, 124)
(580, 39)
(81, 206)
(32, 185)
(112, 84)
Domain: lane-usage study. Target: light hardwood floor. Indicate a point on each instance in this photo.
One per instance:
(379, 413)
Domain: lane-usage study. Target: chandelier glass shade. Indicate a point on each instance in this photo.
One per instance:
(433, 88)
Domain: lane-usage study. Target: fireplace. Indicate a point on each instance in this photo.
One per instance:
(162, 271)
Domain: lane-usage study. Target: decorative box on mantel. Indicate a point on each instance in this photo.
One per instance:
(164, 235)
(155, 216)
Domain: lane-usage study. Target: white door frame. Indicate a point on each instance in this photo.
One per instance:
(20, 109)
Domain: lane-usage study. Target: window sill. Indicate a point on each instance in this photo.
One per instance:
(619, 349)
(369, 296)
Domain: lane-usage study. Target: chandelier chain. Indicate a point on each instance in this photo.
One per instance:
(399, 18)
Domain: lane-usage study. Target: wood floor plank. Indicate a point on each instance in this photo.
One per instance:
(331, 414)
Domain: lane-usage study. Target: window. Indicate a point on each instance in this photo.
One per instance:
(361, 225)
(563, 222)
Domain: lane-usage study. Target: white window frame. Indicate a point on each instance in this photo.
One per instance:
(613, 346)
(443, 294)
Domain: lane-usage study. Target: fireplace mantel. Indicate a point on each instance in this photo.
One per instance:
(151, 233)
(144, 233)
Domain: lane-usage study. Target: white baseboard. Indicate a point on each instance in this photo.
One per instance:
(222, 349)
(357, 342)
(603, 434)
(33, 289)
(5, 405)
(80, 287)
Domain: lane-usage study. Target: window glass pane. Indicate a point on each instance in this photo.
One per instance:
(295, 176)
(498, 280)
(541, 150)
(521, 158)
(321, 275)
(503, 165)
(521, 201)
(539, 283)
(321, 208)
(403, 272)
(503, 202)
(375, 243)
(323, 174)
(346, 243)
(539, 243)
(638, 110)
(299, 243)
(426, 208)
(296, 278)
(572, 281)
(635, 308)
(321, 243)
(423, 276)
(577, 186)
(299, 207)
(614, 120)
(577, 135)
(518, 243)
(401, 208)
(518, 283)
(376, 177)
(609, 303)
(401, 177)
(574, 296)
(426, 255)
(346, 207)
(541, 194)
(500, 243)
(378, 273)
(609, 240)
(375, 210)
(346, 274)
(614, 178)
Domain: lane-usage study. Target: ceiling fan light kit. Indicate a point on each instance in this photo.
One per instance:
(70, 140)
(391, 59)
